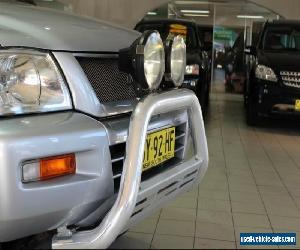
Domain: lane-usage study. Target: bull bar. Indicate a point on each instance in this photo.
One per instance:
(118, 217)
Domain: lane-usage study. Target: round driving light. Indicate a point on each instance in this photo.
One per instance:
(178, 60)
(154, 60)
(145, 61)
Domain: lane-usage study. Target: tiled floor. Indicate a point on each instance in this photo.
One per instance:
(252, 185)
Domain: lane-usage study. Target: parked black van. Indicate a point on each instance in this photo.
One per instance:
(273, 74)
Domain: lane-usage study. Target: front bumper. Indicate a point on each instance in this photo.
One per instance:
(123, 211)
(275, 98)
(32, 208)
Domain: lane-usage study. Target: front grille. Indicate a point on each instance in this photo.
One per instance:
(109, 84)
(290, 78)
(118, 152)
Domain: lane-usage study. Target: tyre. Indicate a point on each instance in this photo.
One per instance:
(251, 113)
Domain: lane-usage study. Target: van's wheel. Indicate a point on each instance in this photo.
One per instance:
(251, 113)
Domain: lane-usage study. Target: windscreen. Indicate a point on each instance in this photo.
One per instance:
(282, 38)
(170, 30)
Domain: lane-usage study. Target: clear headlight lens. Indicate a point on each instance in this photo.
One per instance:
(154, 60)
(192, 69)
(178, 60)
(30, 82)
(265, 73)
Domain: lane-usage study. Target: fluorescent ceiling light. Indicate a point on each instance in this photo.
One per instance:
(188, 2)
(249, 16)
(197, 15)
(152, 13)
(196, 11)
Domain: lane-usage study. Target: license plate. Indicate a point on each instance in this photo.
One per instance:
(297, 105)
(159, 147)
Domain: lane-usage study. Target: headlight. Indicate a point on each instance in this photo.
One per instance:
(192, 69)
(145, 60)
(265, 73)
(176, 60)
(30, 82)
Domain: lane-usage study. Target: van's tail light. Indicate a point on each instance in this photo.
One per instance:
(49, 168)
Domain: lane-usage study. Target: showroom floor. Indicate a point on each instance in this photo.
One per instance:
(252, 185)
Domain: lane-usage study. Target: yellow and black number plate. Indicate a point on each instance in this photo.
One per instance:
(159, 147)
(297, 105)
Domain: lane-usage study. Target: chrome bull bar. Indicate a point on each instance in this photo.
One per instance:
(118, 217)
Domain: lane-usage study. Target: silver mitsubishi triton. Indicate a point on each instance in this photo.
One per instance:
(96, 132)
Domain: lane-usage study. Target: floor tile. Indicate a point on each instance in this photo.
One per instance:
(248, 207)
(250, 220)
(213, 185)
(146, 226)
(184, 202)
(214, 231)
(133, 241)
(172, 242)
(213, 194)
(216, 217)
(240, 187)
(271, 190)
(286, 223)
(289, 210)
(174, 213)
(245, 196)
(213, 244)
(178, 228)
(214, 205)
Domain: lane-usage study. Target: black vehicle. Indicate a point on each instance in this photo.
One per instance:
(198, 70)
(273, 74)
(205, 33)
(235, 64)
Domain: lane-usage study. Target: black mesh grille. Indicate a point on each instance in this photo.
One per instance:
(108, 82)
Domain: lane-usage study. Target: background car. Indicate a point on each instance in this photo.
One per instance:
(273, 74)
(198, 70)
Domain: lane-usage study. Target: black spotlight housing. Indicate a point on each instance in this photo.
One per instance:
(145, 54)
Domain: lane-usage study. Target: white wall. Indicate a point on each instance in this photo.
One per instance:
(129, 12)
(123, 12)
(289, 9)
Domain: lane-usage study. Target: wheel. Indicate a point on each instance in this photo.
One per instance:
(245, 91)
(245, 100)
(251, 113)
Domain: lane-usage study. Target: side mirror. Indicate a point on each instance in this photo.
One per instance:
(250, 50)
